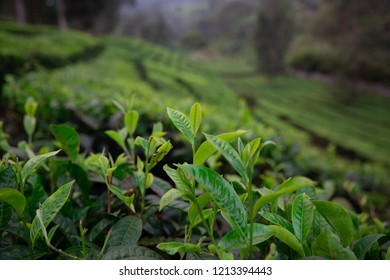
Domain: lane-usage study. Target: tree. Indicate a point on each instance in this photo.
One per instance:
(273, 33)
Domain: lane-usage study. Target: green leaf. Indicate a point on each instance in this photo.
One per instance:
(68, 138)
(251, 152)
(182, 123)
(302, 216)
(131, 252)
(278, 220)
(8, 178)
(50, 208)
(388, 254)
(117, 137)
(177, 247)
(222, 192)
(117, 192)
(14, 198)
(338, 218)
(230, 155)
(82, 179)
(287, 237)
(33, 163)
(193, 211)
(131, 121)
(195, 117)
(361, 246)
(206, 149)
(159, 155)
(234, 240)
(176, 178)
(5, 213)
(168, 197)
(288, 186)
(125, 232)
(328, 245)
(29, 124)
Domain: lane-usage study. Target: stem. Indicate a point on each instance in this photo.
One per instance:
(27, 237)
(83, 243)
(208, 229)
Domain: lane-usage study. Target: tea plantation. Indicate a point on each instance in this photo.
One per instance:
(113, 148)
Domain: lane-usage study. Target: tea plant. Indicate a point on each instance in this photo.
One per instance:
(67, 204)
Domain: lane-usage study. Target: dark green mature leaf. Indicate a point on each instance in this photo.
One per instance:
(234, 240)
(338, 218)
(125, 232)
(14, 198)
(222, 192)
(18, 252)
(5, 213)
(229, 154)
(8, 178)
(168, 197)
(195, 117)
(361, 246)
(328, 245)
(182, 123)
(206, 150)
(302, 216)
(33, 163)
(288, 186)
(278, 220)
(50, 208)
(131, 252)
(82, 178)
(68, 138)
(287, 237)
(177, 247)
(388, 254)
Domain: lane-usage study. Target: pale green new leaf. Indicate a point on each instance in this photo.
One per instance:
(302, 216)
(117, 137)
(288, 186)
(169, 196)
(222, 193)
(250, 152)
(287, 237)
(229, 154)
(125, 232)
(195, 117)
(50, 208)
(361, 246)
(182, 123)
(193, 211)
(328, 245)
(33, 163)
(131, 121)
(14, 198)
(234, 240)
(206, 149)
(68, 138)
(176, 178)
(338, 218)
(177, 247)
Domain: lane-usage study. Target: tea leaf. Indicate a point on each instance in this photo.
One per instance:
(195, 117)
(81, 177)
(125, 232)
(168, 197)
(29, 124)
(159, 155)
(234, 240)
(278, 220)
(251, 152)
(287, 237)
(33, 163)
(14, 198)
(177, 247)
(288, 186)
(338, 218)
(131, 121)
(361, 247)
(206, 149)
(193, 211)
(230, 155)
(182, 123)
(176, 178)
(5, 213)
(388, 254)
(131, 252)
(8, 178)
(222, 192)
(117, 137)
(50, 208)
(68, 138)
(302, 216)
(327, 245)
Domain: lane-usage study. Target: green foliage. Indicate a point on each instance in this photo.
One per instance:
(13, 198)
